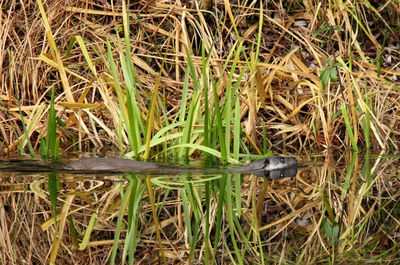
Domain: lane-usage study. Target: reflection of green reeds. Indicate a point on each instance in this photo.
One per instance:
(125, 197)
(132, 236)
(366, 171)
(193, 216)
(131, 197)
(53, 190)
(350, 171)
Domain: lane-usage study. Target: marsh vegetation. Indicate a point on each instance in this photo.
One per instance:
(216, 81)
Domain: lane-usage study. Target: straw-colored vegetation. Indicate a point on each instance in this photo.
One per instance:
(303, 74)
(204, 79)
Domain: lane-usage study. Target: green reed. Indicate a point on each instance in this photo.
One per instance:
(349, 128)
(49, 146)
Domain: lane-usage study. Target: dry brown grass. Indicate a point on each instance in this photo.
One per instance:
(283, 91)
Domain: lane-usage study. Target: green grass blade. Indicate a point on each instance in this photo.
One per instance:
(229, 98)
(52, 130)
(89, 229)
(206, 114)
(150, 123)
(236, 130)
(366, 125)
(220, 130)
(136, 127)
(187, 131)
(349, 129)
(182, 111)
(86, 54)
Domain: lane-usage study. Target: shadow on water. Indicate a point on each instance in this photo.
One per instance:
(335, 208)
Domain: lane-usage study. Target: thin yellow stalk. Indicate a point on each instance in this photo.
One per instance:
(56, 53)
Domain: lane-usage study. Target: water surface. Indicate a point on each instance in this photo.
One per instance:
(335, 208)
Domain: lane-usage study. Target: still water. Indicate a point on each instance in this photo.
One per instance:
(338, 208)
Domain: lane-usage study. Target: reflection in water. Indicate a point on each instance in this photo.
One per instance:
(277, 174)
(32, 166)
(346, 204)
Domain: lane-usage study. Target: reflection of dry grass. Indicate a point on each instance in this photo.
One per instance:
(281, 89)
(20, 227)
(285, 216)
